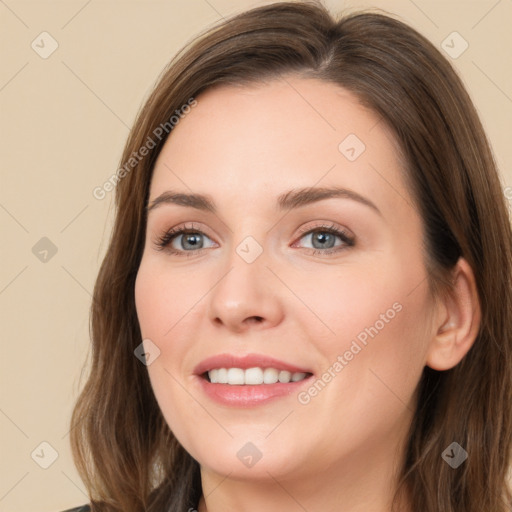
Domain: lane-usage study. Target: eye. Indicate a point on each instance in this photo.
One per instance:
(323, 239)
(188, 239)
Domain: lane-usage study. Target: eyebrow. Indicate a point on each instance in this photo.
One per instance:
(292, 199)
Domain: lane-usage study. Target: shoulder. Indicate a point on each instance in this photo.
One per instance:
(83, 508)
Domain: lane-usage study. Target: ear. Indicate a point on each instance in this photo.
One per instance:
(457, 320)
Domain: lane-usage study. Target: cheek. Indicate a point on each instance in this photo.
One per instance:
(359, 302)
(372, 330)
(146, 301)
(372, 367)
(159, 308)
(168, 313)
(162, 298)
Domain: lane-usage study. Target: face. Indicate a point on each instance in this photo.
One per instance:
(288, 331)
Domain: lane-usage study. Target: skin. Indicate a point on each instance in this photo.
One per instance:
(244, 146)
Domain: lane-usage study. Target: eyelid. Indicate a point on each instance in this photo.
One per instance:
(326, 225)
(162, 241)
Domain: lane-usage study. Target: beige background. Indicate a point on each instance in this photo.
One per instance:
(64, 120)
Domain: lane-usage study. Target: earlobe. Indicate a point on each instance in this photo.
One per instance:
(457, 321)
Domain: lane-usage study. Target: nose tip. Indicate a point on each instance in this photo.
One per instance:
(246, 297)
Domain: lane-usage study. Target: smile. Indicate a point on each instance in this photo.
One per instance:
(249, 380)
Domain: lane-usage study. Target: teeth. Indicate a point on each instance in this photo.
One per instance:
(236, 376)
(222, 376)
(270, 376)
(284, 376)
(253, 376)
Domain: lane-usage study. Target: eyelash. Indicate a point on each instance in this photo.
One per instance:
(162, 243)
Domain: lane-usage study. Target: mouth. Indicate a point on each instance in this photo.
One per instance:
(244, 381)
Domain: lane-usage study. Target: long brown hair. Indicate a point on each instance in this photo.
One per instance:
(125, 453)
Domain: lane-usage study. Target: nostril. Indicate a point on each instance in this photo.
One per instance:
(254, 320)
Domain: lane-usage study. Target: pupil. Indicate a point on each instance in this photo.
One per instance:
(322, 237)
(192, 239)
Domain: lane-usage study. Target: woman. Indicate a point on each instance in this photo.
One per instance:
(303, 305)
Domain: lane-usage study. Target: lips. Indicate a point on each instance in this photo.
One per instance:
(243, 387)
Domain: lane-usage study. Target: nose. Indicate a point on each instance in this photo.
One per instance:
(247, 296)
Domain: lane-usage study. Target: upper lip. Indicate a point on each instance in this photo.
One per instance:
(244, 362)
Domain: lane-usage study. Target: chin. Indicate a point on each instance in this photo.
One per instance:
(243, 459)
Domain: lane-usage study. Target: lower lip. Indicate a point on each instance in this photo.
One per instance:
(247, 395)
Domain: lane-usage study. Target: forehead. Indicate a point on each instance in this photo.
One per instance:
(291, 132)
